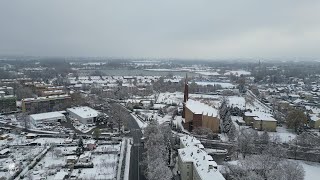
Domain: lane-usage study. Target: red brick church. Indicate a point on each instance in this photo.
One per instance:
(197, 114)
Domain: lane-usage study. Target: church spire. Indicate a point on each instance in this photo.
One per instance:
(186, 89)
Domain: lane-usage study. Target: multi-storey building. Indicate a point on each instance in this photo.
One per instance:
(7, 103)
(45, 104)
(194, 163)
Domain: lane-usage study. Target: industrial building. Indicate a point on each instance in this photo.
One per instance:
(49, 117)
(84, 114)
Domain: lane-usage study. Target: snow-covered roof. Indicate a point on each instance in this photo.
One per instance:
(264, 118)
(200, 108)
(85, 155)
(4, 151)
(314, 117)
(72, 157)
(202, 162)
(48, 115)
(60, 175)
(260, 116)
(187, 141)
(84, 112)
(31, 135)
(91, 141)
(62, 96)
(237, 119)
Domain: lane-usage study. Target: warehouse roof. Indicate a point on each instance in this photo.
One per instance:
(48, 115)
(84, 112)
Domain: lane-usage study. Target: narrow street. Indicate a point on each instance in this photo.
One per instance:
(135, 173)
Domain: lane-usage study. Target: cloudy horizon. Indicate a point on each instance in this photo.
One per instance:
(204, 29)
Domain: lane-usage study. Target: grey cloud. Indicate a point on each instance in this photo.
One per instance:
(166, 28)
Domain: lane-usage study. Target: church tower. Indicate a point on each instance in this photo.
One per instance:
(186, 95)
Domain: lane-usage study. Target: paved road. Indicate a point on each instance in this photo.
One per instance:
(136, 150)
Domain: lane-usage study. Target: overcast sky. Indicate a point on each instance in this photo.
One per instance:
(161, 29)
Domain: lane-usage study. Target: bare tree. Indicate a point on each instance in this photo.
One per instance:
(245, 141)
(296, 119)
(23, 117)
(118, 116)
(157, 152)
(97, 133)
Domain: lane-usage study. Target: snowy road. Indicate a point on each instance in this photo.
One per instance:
(135, 172)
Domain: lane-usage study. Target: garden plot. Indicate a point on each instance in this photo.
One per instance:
(18, 158)
(104, 167)
(104, 159)
(15, 140)
(49, 165)
(107, 148)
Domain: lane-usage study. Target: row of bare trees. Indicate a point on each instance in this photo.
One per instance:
(262, 158)
(157, 154)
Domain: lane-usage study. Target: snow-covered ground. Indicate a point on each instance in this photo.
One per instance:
(105, 167)
(177, 97)
(128, 154)
(283, 133)
(222, 84)
(83, 127)
(140, 123)
(105, 164)
(312, 169)
(22, 155)
(44, 141)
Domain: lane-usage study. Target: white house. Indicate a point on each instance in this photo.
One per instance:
(48, 117)
(195, 164)
(84, 114)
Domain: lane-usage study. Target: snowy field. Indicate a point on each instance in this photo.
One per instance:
(177, 97)
(224, 85)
